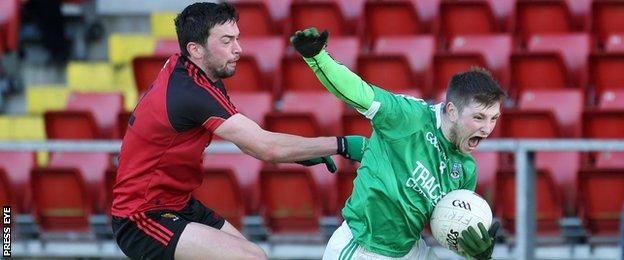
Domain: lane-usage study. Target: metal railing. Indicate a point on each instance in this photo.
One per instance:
(522, 148)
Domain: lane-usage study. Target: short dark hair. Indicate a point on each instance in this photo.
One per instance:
(474, 84)
(193, 24)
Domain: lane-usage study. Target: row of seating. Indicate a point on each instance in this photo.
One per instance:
(549, 62)
(292, 198)
(447, 18)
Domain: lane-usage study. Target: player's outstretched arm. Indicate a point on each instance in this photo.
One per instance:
(277, 147)
(337, 78)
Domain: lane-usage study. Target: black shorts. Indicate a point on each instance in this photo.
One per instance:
(154, 234)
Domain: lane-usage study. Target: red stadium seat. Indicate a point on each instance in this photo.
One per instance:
(607, 18)
(92, 167)
(320, 14)
(166, 47)
(542, 17)
(295, 123)
(248, 76)
(71, 125)
(447, 65)
(605, 72)
(504, 11)
(145, 69)
(254, 105)
(421, 61)
(246, 170)
(103, 106)
(487, 166)
(614, 43)
(580, 10)
(8, 196)
(17, 166)
(266, 52)
(9, 25)
(538, 71)
(495, 49)
(254, 19)
(345, 49)
(612, 99)
(61, 200)
(428, 13)
(324, 106)
(563, 168)
(573, 48)
(344, 187)
(601, 194)
(391, 72)
(548, 208)
(220, 191)
(606, 122)
(290, 201)
(546, 114)
(356, 124)
(390, 18)
(466, 18)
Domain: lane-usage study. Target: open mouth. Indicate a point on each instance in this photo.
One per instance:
(474, 141)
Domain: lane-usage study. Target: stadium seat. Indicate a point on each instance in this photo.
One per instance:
(344, 183)
(421, 61)
(162, 24)
(122, 48)
(92, 168)
(356, 124)
(71, 125)
(254, 19)
(248, 76)
(573, 48)
(601, 193)
(580, 11)
(614, 43)
(61, 200)
(166, 47)
(487, 166)
(327, 114)
(41, 98)
(542, 17)
(495, 49)
(103, 106)
(7, 193)
(267, 53)
(504, 12)
(389, 71)
(390, 18)
(10, 13)
(290, 201)
(295, 123)
(246, 173)
(15, 167)
(145, 69)
(447, 65)
(320, 14)
(220, 191)
(563, 168)
(545, 114)
(459, 18)
(297, 75)
(253, 105)
(605, 72)
(90, 76)
(548, 208)
(607, 18)
(612, 99)
(428, 13)
(279, 10)
(605, 122)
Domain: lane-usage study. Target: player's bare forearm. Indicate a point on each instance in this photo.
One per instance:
(341, 81)
(291, 148)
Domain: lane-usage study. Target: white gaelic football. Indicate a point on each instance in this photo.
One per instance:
(455, 212)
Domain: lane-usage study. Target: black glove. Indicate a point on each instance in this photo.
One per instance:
(309, 42)
(477, 246)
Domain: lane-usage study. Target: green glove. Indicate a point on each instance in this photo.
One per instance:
(478, 247)
(309, 42)
(352, 146)
(327, 160)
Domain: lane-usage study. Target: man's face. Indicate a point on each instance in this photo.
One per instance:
(223, 50)
(473, 124)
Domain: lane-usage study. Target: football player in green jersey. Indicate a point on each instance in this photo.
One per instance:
(417, 153)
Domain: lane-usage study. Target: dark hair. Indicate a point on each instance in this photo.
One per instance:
(474, 84)
(196, 20)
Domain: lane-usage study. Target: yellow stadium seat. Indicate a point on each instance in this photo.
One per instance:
(163, 24)
(31, 128)
(5, 127)
(122, 48)
(90, 76)
(41, 98)
(124, 80)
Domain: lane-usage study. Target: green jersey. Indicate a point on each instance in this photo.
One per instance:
(408, 166)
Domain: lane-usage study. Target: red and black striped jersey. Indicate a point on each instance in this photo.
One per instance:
(161, 153)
